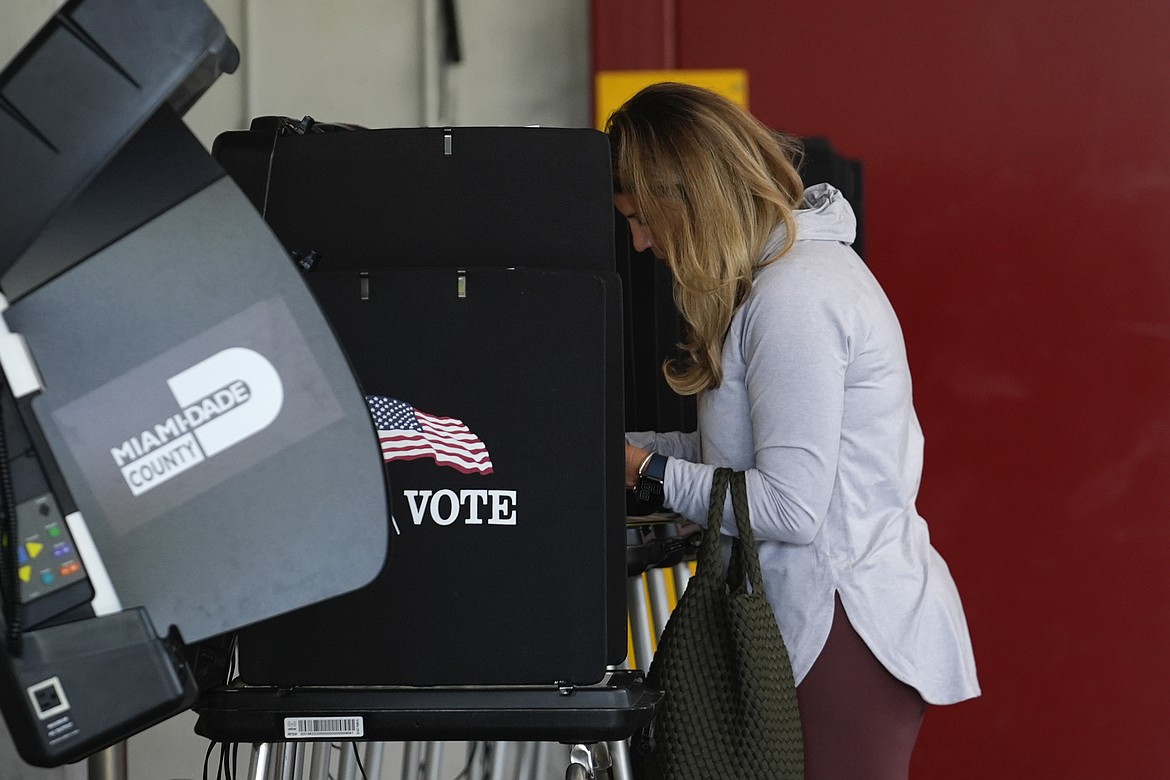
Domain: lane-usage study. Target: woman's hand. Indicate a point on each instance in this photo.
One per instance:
(635, 457)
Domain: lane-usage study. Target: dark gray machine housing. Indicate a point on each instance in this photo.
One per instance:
(183, 403)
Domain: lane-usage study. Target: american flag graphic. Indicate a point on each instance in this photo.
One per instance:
(406, 433)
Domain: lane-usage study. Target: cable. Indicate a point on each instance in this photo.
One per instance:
(358, 758)
(207, 757)
(232, 671)
(466, 771)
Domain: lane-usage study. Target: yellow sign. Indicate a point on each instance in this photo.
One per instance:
(614, 87)
(25, 573)
(34, 549)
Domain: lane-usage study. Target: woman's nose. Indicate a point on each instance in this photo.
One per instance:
(641, 239)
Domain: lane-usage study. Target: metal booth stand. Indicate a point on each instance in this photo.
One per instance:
(292, 731)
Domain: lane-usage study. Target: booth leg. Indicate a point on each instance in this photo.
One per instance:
(659, 601)
(258, 765)
(433, 761)
(109, 764)
(373, 760)
(640, 623)
(620, 750)
(285, 760)
(543, 757)
(411, 752)
(347, 763)
(529, 758)
(319, 758)
(501, 757)
(299, 761)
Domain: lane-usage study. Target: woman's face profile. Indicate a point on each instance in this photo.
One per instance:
(638, 230)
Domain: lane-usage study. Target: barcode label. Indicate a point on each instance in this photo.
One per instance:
(302, 728)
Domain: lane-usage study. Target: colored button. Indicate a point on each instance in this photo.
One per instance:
(61, 550)
(21, 556)
(54, 531)
(25, 573)
(48, 578)
(34, 548)
(70, 568)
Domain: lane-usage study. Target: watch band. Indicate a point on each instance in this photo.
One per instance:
(649, 487)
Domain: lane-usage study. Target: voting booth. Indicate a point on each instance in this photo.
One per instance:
(469, 274)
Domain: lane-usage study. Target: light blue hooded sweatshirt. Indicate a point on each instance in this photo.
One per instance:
(815, 405)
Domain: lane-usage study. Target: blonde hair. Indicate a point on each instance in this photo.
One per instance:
(711, 184)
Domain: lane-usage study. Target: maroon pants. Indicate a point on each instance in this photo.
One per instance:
(859, 721)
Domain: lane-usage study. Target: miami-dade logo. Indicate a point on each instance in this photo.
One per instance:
(221, 401)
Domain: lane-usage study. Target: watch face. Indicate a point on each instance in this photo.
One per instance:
(649, 490)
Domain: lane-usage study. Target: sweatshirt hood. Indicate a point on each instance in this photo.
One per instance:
(824, 215)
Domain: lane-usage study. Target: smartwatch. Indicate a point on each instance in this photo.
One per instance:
(650, 479)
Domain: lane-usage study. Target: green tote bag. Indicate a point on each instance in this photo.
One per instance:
(729, 706)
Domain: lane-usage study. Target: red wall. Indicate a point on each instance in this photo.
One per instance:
(1017, 160)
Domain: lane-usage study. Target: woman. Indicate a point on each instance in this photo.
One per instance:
(800, 369)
